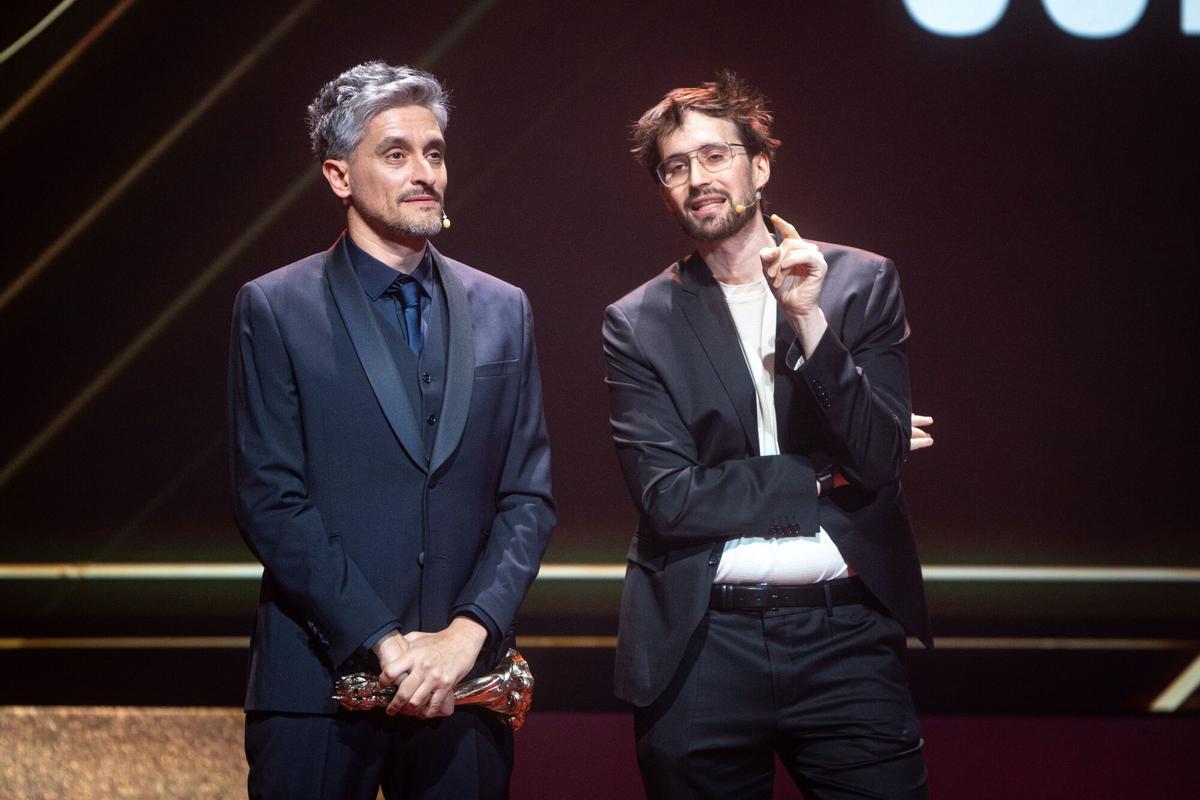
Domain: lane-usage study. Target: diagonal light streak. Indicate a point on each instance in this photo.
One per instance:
(32, 33)
(566, 98)
(60, 66)
(151, 331)
(148, 158)
(450, 38)
(214, 446)
(292, 193)
(1180, 689)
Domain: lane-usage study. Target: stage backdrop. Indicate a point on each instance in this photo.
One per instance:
(1031, 169)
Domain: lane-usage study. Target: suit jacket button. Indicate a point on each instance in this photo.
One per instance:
(427, 378)
(421, 558)
(431, 419)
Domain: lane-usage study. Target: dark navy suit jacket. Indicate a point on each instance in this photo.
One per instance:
(354, 526)
(685, 426)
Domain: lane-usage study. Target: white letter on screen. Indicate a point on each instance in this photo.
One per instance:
(1095, 19)
(956, 17)
(1189, 15)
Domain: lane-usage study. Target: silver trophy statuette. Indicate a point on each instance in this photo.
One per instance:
(507, 690)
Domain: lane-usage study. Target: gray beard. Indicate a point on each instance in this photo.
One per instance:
(406, 229)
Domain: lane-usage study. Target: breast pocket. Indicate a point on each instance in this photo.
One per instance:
(495, 369)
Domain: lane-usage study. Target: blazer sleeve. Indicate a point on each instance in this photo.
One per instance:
(684, 497)
(525, 509)
(861, 386)
(271, 501)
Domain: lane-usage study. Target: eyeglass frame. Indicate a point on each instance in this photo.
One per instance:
(692, 155)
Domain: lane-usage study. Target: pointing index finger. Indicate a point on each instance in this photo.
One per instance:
(785, 228)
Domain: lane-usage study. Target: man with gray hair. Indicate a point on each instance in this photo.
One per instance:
(390, 470)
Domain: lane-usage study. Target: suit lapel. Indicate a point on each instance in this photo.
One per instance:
(460, 364)
(785, 379)
(372, 350)
(706, 311)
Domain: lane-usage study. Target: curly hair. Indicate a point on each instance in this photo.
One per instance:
(727, 97)
(339, 114)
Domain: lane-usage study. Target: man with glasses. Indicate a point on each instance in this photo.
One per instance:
(760, 410)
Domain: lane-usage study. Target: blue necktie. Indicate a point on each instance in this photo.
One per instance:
(407, 291)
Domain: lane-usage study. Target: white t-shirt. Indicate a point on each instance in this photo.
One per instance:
(790, 560)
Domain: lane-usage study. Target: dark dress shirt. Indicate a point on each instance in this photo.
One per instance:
(428, 372)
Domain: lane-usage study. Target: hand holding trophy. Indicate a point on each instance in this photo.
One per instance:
(507, 690)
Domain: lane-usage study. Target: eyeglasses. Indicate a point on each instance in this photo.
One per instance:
(716, 157)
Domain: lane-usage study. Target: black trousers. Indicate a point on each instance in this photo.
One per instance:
(824, 688)
(354, 754)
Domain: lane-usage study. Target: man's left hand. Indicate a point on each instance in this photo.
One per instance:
(795, 271)
(435, 663)
(921, 438)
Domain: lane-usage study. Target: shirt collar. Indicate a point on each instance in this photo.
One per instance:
(376, 276)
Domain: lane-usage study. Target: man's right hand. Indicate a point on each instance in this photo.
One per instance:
(388, 650)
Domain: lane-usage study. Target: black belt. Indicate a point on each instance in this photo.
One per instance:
(748, 597)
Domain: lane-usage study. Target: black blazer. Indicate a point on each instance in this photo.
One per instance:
(333, 492)
(684, 424)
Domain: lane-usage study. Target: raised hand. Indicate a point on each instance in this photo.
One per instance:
(795, 270)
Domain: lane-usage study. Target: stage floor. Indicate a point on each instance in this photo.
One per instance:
(139, 752)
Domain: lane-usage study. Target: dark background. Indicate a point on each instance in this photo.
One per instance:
(1036, 190)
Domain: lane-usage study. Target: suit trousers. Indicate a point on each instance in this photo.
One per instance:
(824, 688)
(351, 755)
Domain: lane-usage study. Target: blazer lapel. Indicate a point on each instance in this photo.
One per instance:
(372, 350)
(706, 311)
(786, 381)
(460, 364)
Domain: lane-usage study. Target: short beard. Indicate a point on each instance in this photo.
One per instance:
(717, 229)
(402, 226)
(413, 229)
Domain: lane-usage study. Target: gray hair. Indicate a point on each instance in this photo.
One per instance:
(339, 114)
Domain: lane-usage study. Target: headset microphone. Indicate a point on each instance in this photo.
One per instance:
(739, 208)
(445, 221)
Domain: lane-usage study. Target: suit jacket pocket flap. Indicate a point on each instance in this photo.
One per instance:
(494, 368)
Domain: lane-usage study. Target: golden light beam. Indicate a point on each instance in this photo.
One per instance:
(573, 571)
(156, 150)
(60, 66)
(1179, 690)
(245, 239)
(32, 33)
(151, 331)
